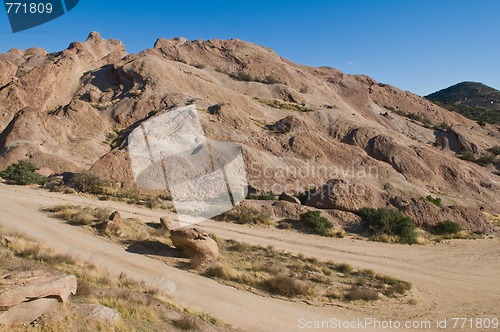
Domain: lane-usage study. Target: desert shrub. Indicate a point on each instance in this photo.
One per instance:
(187, 323)
(360, 293)
(304, 196)
(268, 196)
(88, 182)
(447, 227)
(242, 76)
(344, 268)
(23, 173)
(221, 271)
(485, 159)
(386, 221)
(271, 80)
(315, 223)
(434, 200)
(468, 155)
(287, 286)
(401, 287)
(198, 65)
(495, 150)
(443, 126)
(245, 215)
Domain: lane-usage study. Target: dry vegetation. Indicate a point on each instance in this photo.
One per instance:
(279, 273)
(285, 105)
(130, 230)
(263, 270)
(142, 308)
(90, 183)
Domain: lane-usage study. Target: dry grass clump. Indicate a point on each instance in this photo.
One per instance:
(288, 286)
(276, 272)
(77, 215)
(360, 293)
(246, 215)
(128, 230)
(187, 323)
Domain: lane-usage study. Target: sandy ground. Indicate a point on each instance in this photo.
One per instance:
(459, 278)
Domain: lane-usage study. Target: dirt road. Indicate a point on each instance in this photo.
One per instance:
(453, 279)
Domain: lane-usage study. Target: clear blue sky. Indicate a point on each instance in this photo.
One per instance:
(419, 45)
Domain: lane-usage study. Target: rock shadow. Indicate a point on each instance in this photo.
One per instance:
(155, 248)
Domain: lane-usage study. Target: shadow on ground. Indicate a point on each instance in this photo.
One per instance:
(156, 248)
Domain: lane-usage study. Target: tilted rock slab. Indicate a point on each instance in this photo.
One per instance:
(17, 288)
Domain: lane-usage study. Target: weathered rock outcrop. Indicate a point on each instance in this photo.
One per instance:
(345, 195)
(427, 214)
(195, 244)
(25, 296)
(289, 198)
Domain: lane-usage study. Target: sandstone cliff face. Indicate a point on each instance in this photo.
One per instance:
(299, 126)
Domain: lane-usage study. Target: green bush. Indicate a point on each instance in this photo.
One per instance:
(315, 223)
(468, 156)
(386, 221)
(242, 76)
(271, 80)
(245, 215)
(447, 227)
(88, 182)
(198, 65)
(495, 150)
(23, 173)
(268, 196)
(485, 159)
(434, 200)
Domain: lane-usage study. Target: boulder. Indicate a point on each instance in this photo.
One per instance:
(27, 312)
(195, 244)
(289, 198)
(344, 195)
(97, 312)
(113, 223)
(116, 217)
(20, 287)
(286, 210)
(169, 224)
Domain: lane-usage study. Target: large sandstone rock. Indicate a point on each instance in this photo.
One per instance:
(114, 222)
(27, 312)
(289, 198)
(285, 210)
(169, 224)
(25, 296)
(20, 287)
(344, 195)
(195, 243)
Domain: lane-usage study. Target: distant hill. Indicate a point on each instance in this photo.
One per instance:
(476, 101)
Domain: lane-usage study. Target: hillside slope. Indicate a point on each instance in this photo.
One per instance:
(73, 110)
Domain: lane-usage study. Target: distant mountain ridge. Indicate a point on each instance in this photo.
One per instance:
(474, 100)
